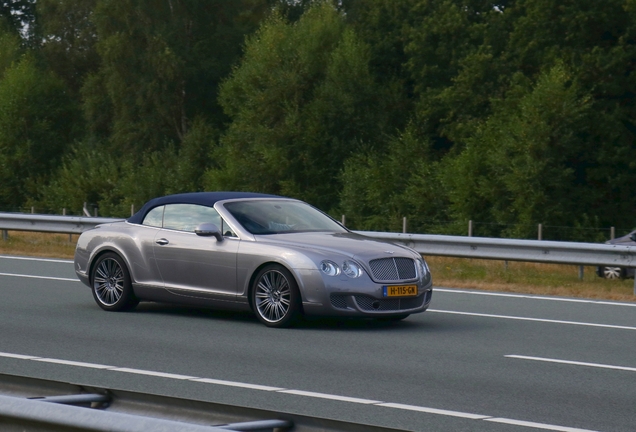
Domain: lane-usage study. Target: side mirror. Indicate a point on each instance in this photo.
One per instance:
(209, 230)
(633, 236)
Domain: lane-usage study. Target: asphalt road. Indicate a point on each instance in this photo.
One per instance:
(474, 362)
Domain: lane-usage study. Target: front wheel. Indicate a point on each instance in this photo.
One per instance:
(275, 296)
(111, 284)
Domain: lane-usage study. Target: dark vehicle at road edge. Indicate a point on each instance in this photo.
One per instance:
(619, 272)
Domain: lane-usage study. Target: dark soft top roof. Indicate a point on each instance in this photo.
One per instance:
(202, 198)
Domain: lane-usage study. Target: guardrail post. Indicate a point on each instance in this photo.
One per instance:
(32, 210)
(343, 220)
(470, 228)
(635, 286)
(70, 236)
(132, 209)
(612, 233)
(5, 235)
(581, 270)
(95, 211)
(404, 225)
(540, 231)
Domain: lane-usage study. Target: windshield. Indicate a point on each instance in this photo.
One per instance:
(279, 217)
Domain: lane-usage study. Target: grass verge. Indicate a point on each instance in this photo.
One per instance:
(39, 244)
(517, 277)
(528, 278)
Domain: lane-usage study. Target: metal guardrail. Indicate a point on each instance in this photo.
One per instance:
(541, 251)
(80, 407)
(50, 223)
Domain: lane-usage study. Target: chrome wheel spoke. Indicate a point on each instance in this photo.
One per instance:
(273, 296)
(108, 282)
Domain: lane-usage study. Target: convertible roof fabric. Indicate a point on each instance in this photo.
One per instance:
(202, 198)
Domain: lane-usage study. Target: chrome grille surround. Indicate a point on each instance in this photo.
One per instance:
(393, 269)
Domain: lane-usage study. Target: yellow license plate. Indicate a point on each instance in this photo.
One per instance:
(400, 290)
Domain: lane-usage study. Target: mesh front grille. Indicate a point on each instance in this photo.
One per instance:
(393, 269)
(366, 303)
(338, 301)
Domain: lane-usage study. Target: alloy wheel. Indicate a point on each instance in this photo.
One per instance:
(273, 296)
(108, 282)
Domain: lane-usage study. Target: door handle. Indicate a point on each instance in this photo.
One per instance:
(162, 241)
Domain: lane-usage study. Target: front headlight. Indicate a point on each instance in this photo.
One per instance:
(423, 267)
(351, 269)
(330, 268)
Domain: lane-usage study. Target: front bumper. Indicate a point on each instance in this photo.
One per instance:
(362, 297)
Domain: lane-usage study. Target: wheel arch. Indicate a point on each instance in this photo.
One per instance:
(101, 252)
(250, 286)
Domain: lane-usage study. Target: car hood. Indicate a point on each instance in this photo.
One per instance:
(623, 241)
(353, 245)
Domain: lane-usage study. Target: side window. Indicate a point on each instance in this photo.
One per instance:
(227, 230)
(154, 217)
(186, 217)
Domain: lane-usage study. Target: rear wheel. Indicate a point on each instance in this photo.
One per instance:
(111, 285)
(275, 296)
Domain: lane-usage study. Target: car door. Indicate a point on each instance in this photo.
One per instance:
(190, 264)
(143, 264)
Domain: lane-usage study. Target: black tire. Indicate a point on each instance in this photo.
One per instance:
(395, 318)
(275, 297)
(111, 284)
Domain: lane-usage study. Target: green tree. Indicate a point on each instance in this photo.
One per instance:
(18, 16)
(301, 101)
(528, 163)
(161, 62)
(68, 37)
(36, 125)
(380, 188)
(9, 50)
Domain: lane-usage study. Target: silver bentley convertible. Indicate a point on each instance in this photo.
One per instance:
(279, 257)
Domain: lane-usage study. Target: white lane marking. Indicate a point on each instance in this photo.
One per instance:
(427, 410)
(533, 319)
(39, 277)
(330, 396)
(570, 362)
(18, 356)
(435, 411)
(534, 425)
(153, 373)
(72, 363)
(532, 297)
(237, 384)
(36, 259)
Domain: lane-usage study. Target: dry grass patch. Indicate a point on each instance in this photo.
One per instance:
(39, 244)
(517, 277)
(529, 278)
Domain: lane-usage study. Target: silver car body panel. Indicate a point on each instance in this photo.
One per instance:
(202, 271)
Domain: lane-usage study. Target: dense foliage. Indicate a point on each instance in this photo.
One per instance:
(509, 113)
